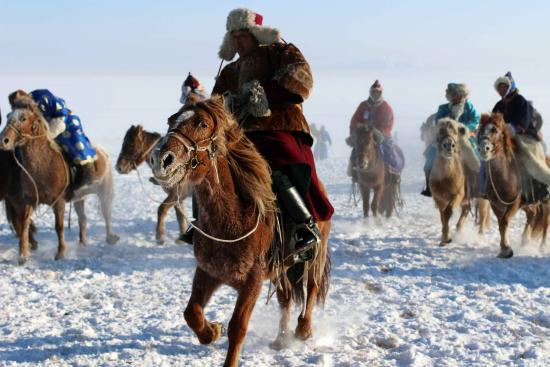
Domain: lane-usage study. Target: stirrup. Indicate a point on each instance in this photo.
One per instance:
(306, 237)
(187, 237)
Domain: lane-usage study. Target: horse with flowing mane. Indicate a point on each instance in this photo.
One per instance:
(505, 183)
(50, 183)
(137, 147)
(454, 177)
(232, 183)
(372, 173)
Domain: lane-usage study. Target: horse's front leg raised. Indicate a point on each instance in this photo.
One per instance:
(59, 213)
(203, 287)
(24, 218)
(246, 300)
(161, 215)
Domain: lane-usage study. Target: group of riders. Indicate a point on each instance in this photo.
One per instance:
(522, 120)
(264, 89)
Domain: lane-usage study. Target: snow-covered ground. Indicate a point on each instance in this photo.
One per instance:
(396, 298)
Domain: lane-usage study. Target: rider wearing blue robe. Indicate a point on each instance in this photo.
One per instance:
(460, 109)
(67, 131)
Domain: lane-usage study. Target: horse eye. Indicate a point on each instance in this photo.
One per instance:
(202, 124)
(494, 130)
(22, 119)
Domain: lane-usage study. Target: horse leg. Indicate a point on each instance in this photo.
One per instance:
(377, 198)
(506, 251)
(238, 325)
(180, 215)
(526, 234)
(82, 225)
(32, 240)
(365, 193)
(59, 213)
(203, 287)
(106, 201)
(24, 225)
(285, 301)
(303, 329)
(445, 214)
(483, 208)
(163, 209)
(465, 209)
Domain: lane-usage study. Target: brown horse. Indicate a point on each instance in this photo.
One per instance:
(137, 148)
(453, 178)
(505, 181)
(46, 176)
(372, 173)
(232, 183)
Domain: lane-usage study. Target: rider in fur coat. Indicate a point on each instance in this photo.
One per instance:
(264, 89)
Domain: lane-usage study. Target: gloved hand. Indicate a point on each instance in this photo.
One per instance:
(57, 126)
(258, 106)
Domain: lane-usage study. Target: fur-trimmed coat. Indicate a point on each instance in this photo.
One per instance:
(286, 78)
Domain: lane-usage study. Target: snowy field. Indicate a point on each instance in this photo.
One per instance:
(396, 298)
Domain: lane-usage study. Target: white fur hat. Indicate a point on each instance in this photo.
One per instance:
(503, 80)
(246, 19)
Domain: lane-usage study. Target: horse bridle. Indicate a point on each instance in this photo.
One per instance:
(194, 147)
(21, 137)
(134, 158)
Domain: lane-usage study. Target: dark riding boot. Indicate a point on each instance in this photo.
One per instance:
(427, 192)
(187, 237)
(84, 175)
(300, 228)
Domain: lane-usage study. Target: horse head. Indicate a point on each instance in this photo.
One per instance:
(24, 122)
(448, 134)
(136, 146)
(493, 136)
(189, 149)
(366, 144)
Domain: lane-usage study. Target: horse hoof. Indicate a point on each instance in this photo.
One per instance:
(282, 342)
(112, 239)
(216, 331)
(444, 243)
(303, 333)
(160, 242)
(59, 256)
(506, 254)
(34, 246)
(83, 243)
(22, 260)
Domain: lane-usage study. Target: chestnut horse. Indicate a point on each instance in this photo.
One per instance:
(232, 184)
(505, 181)
(45, 176)
(372, 173)
(454, 177)
(137, 148)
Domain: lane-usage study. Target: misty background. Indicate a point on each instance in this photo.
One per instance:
(123, 62)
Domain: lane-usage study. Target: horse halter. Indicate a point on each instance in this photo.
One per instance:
(21, 137)
(194, 147)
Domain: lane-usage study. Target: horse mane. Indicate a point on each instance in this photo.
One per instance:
(22, 100)
(249, 169)
(497, 119)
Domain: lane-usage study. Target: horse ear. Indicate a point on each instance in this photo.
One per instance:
(139, 128)
(18, 94)
(218, 98)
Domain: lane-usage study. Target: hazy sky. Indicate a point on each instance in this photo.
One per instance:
(168, 37)
(414, 47)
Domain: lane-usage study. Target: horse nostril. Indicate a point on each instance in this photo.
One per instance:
(6, 141)
(167, 161)
(487, 148)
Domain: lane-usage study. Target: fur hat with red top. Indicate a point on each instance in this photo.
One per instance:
(376, 87)
(192, 90)
(240, 19)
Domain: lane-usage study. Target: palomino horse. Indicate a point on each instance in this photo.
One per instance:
(372, 173)
(232, 183)
(504, 183)
(453, 178)
(45, 176)
(137, 148)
